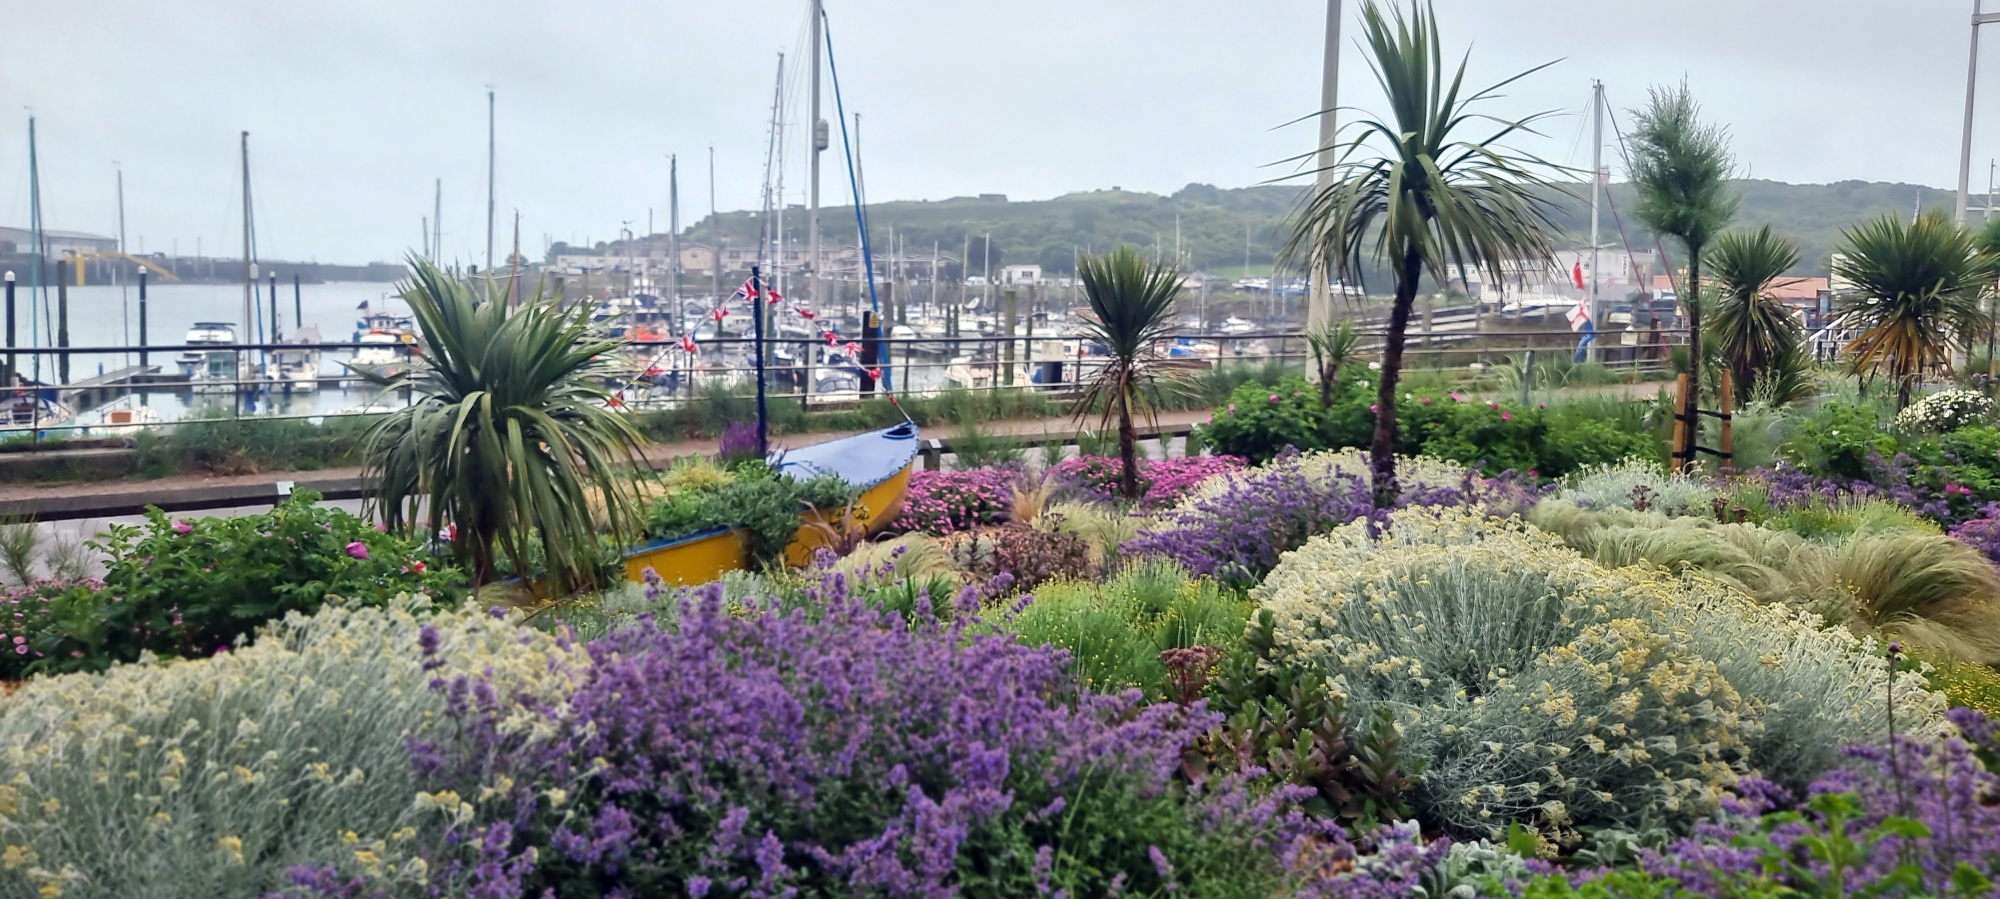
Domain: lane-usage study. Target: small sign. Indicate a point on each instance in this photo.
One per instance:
(285, 488)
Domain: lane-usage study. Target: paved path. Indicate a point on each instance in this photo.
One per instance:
(117, 497)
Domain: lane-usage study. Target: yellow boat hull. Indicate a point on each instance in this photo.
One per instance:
(703, 558)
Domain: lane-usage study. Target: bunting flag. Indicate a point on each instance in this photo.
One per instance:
(1576, 274)
(747, 292)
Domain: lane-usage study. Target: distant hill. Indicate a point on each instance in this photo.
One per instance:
(1218, 226)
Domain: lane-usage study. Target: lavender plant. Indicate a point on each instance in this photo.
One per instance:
(1238, 532)
(844, 752)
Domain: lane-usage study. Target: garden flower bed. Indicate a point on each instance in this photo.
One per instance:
(1251, 682)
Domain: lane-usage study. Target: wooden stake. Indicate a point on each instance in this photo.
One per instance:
(1728, 404)
(1680, 422)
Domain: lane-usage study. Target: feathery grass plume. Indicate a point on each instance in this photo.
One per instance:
(1115, 631)
(20, 547)
(213, 777)
(1101, 528)
(1927, 590)
(1635, 484)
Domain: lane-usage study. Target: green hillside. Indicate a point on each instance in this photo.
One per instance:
(1217, 226)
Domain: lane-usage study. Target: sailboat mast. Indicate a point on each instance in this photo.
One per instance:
(819, 142)
(1596, 188)
(436, 246)
(489, 186)
(124, 305)
(249, 267)
(674, 236)
(40, 250)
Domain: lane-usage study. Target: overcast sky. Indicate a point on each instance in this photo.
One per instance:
(355, 106)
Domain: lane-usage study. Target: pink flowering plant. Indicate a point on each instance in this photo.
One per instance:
(945, 502)
(32, 625)
(191, 588)
(1163, 482)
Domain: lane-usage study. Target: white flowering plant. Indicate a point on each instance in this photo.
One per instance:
(1946, 411)
(1635, 484)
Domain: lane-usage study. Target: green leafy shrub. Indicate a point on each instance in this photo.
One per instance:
(1546, 689)
(1260, 420)
(765, 505)
(191, 588)
(1836, 440)
(214, 777)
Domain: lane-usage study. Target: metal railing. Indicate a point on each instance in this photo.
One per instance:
(659, 375)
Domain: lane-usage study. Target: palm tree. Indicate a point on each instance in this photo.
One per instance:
(1915, 293)
(1334, 346)
(1681, 170)
(512, 437)
(1755, 331)
(1416, 194)
(1131, 304)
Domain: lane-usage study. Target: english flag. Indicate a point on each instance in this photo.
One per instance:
(1579, 316)
(1576, 274)
(745, 292)
(806, 314)
(687, 343)
(772, 295)
(718, 313)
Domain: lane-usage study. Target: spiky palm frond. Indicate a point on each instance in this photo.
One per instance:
(1334, 346)
(1753, 330)
(511, 437)
(1131, 309)
(1417, 193)
(1915, 293)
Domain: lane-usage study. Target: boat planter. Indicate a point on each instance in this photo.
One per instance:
(879, 463)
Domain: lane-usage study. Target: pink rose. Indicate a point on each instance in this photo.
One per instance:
(1374, 408)
(358, 550)
(1426, 401)
(1274, 397)
(1506, 416)
(182, 527)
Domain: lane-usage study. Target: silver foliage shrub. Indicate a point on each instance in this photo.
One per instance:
(1547, 689)
(212, 777)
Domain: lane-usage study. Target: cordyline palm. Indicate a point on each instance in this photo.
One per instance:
(1417, 194)
(1755, 331)
(1681, 170)
(1131, 305)
(511, 437)
(1914, 292)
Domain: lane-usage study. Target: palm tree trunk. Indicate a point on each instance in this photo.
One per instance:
(1691, 404)
(1128, 449)
(1382, 453)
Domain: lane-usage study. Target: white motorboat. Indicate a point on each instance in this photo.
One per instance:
(210, 370)
(292, 370)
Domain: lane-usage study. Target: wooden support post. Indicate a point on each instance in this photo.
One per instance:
(1727, 404)
(1680, 423)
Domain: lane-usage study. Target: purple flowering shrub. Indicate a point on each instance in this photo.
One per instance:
(836, 750)
(1982, 533)
(1238, 534)
(1163, 482)
(943, 502)
(1923, 819)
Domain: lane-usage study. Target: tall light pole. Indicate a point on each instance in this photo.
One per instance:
(1319, 303)
(1979, 17)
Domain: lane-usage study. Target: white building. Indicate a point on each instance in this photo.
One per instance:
(1020, 275)
(56, 242)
